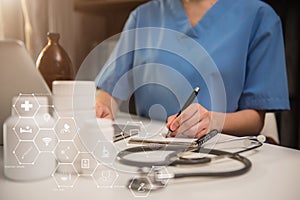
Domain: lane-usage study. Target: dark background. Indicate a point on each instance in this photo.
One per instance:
(289, 121)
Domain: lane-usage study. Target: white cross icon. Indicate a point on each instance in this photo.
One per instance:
(26, 105)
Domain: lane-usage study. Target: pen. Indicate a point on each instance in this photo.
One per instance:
(187, 103)
(206, 137)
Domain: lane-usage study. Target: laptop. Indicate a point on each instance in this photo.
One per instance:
(18, 75)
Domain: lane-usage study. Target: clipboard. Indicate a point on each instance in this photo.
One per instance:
(188, 142)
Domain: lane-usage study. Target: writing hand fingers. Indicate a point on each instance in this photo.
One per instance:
(192, 122)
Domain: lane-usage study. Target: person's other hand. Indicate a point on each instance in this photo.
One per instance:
(102, 111)
(193, 122)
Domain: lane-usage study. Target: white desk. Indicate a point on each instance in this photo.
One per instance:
(275, 174)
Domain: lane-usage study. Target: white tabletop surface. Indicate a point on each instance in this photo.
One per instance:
(275, 174)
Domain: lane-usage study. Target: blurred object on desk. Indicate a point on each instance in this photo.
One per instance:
(54, 62)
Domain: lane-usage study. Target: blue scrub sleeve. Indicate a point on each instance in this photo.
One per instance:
(266, 80)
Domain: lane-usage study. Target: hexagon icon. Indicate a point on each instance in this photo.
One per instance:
(105, 152)
(26, 152)
(65, 175)
(26, 105)
(46, 140)
(46, 117)
(140, 186)
(66, 151)
(85, 164)
(123, 131)
(135, 128)
(26, 129)
(105, 177)
(66, 128)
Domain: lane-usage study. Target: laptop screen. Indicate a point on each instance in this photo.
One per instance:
(18, 75)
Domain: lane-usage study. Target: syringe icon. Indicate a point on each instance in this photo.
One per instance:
(26, 152)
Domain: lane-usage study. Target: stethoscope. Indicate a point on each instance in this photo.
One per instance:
(153, 179)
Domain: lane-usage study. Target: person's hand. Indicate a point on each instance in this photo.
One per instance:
(193, 122)
(102, 111)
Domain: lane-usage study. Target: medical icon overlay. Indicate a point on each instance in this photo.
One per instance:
(104, 176)
(46, 140)
(66, 128)
(66, 151)
(26, 128)
(65, 175)
(26, 152)
(105, 152)
(26, 105)
(85, 164)
(140, 187)
(40, 129)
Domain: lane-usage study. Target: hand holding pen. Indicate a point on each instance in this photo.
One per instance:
(193, 120)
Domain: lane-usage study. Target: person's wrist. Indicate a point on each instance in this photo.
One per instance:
(217, 121)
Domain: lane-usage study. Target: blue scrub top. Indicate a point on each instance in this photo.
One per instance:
(235, 54)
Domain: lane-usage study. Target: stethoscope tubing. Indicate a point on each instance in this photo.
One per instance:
(245, 161)
(174, 159)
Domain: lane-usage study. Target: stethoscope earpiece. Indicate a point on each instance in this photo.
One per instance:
(261, 138)
(248, 141)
